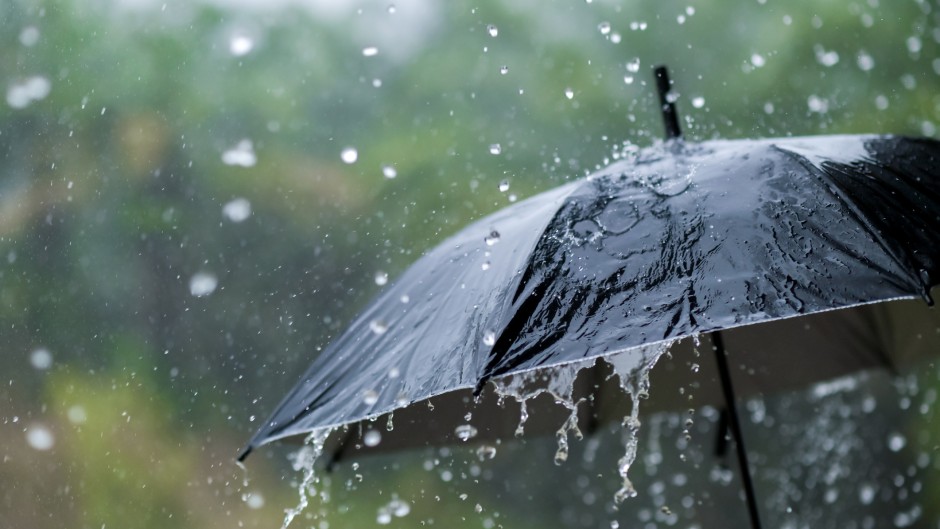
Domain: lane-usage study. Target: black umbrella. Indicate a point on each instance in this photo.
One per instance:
(670, 242)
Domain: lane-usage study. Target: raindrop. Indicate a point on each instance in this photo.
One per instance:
(914, 44)
(237, 210)
(381, 278)
(634, 65)
(202, 284)
(495, 148)
(866, 494)
(826, 58)
(383, 517)
(628, 79)
(405, 298)
(391, 9)
(492, 238)
(604, 28)
(504, 186)
(370, 51)
(695, 368)
(369, 397)
(254, 500)
(29, 36)
(242, 155)
(77, 415)
(39, 437)
(378, 327)
(865, 61)
(817, 104)
(389, 172)
(240, 45)
(489, 338)
(372, 438)
(465, 432)
(758, 60)
(698, 102)
(21, 94)
(492, 30)
(394, 372)
(485, 452)
(504, 69)
(485, 266)
(349, 155)
(569, 93)
(896, 442)
(615, 37)
(41, 358)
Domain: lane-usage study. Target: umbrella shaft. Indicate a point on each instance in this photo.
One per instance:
(735, 424)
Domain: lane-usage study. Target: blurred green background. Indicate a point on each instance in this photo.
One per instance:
(183, 225)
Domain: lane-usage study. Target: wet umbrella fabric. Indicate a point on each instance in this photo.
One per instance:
(669, 242)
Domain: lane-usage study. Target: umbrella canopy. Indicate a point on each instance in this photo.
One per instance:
(673, 241)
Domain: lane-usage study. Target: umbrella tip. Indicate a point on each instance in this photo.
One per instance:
(244, 453)
(667, 102)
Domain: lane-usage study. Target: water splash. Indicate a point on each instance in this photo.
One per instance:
(557, 382)
(632, 368)
(304, 460)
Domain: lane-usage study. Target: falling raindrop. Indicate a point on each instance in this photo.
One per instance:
(758, 60)
(41, 358)
(21, 94)
(39, 437)
(495, 148)
(865, 61)
(389, 172)
(485, 452)
(896, 442)
(370, 51)
(381, 278)
(485, 265)
(569, 93)
(489, 338)
(465, 432)
(242, 155)
(634, 65)
(604, 28)
(254, 500)
(202, 284)
(240, 45)
(492, 30)
(372, 438)
(504, 186)
(77, 414)
(504, 69)
(29, 36)
(237, 210)
(349, 155)
(698, 102)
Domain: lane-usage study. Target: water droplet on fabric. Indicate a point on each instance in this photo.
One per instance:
(492, 238)
(489, 338)
(372, 438)
(237, 210)
(378, 327)
(465, 432)
(370, 397)
(241, 155)
(41, 359)
(203, 284)
(349, 155)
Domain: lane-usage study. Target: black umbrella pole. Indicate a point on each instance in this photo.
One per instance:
(668, 108)
(734, 422)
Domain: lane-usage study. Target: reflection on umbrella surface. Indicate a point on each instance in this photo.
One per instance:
(670, 242)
